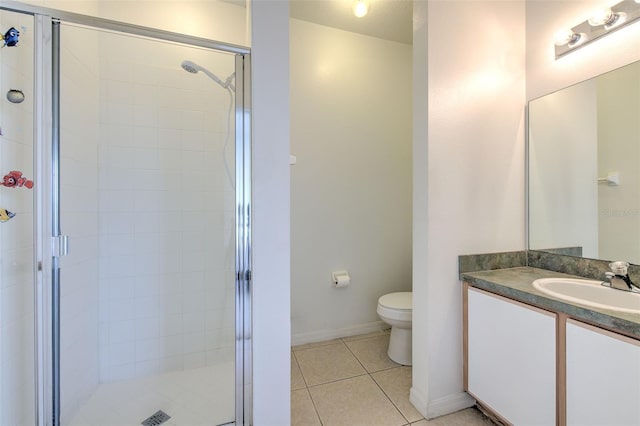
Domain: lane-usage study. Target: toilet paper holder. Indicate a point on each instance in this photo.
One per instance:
(340, 278)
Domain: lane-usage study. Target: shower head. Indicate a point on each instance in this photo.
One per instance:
(190, 67)
(194, 68)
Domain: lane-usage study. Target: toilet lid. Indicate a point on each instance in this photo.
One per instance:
(402, 300)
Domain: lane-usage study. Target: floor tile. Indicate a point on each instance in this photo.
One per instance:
(396, 383)
(469, 417)
(297, 382)
(366, 336)
(315, 344)
(372, 352)
(355, 401)
(303, 413)
(325, 364)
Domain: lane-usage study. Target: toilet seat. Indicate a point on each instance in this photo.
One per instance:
(396, 306)
(400, 301)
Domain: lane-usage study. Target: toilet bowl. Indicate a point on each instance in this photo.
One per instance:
(395, 309)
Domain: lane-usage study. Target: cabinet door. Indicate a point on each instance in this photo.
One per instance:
(511, 358)
(603, 377)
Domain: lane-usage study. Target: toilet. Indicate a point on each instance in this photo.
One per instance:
(395, 309)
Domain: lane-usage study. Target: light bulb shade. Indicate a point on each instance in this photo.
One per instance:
(601, 17)
(563, 37)
(360, 8)
(569, 38)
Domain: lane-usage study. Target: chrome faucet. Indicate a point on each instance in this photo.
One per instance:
(619, 277)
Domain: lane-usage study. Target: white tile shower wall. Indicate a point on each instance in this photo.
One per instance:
(166, 211)
(16, 236)
(79, 217)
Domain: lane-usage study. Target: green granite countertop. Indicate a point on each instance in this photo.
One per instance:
(516, 283)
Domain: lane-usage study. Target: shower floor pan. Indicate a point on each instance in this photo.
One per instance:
(200, 396)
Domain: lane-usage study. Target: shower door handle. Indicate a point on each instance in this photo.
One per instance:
(60, 245)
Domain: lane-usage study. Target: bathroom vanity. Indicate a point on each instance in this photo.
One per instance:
(533, 359)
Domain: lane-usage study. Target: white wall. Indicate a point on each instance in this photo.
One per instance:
(351, 186)
(420, 375)
(212, 19)
(85, 7)
(271, 220)
(473, 154)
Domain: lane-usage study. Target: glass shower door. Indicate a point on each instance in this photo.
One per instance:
(148, 202)
(17, 270)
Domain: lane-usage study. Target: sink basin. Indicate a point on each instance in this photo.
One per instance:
(589, 293)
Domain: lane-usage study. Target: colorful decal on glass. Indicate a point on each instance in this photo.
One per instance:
(6, 215)
(14, 179)
(15, 96)
(11, 37)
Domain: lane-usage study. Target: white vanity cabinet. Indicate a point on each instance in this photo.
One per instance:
(511, 358)
(603, 377)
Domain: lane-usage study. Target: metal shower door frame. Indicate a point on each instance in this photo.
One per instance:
(51, 243)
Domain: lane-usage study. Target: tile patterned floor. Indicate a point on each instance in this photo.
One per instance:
(352, 382)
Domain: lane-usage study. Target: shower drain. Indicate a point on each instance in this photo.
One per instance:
(156, 419)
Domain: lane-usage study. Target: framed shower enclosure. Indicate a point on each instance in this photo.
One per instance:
(124, 224)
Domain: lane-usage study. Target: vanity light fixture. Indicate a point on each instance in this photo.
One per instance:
(568, 38)
(360, 8)
(599, 24)
(604, 17)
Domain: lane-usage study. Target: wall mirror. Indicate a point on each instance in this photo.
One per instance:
(584, 168)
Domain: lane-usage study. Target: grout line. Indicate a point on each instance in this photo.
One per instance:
(337, 380)
(370, 374)
(366, 372)
(356, 357)
(366, 336)
(315, 345)
(388, 397)
(363, 366)
(293, 355)
(315, 408)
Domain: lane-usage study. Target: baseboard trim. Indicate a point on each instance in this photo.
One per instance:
(319, 336)
(449, 404)
(418, 401)
(441, 406)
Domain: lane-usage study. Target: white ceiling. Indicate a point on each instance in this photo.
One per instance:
(387, 19)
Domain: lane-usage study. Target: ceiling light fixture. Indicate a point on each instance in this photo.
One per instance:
(360, 8)
(598, 25)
